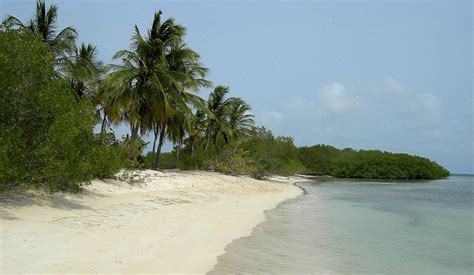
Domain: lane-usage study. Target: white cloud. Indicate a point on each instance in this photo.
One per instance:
(271, 116)
(335, 98)
(382, 114)
(388, 97)
(429, 101)
(275, 115)
(390, 85)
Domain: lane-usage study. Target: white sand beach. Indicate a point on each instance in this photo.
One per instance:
(171, 222)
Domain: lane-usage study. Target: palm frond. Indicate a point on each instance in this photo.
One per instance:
(13, 22)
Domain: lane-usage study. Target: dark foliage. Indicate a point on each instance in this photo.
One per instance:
(317, 159)
(384, 165)
(371, 164)
(45, 134)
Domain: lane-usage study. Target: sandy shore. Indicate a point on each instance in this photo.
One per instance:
(173, 222)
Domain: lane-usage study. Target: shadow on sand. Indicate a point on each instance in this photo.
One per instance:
(10, 200)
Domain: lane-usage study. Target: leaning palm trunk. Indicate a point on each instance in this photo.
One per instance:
(156, 163)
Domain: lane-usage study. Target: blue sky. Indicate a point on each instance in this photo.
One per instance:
(389, 75)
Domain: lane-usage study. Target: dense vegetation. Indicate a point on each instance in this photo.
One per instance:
(46, 134)
(258, 153)
(368, 164)
(54, 92)
(318, 159)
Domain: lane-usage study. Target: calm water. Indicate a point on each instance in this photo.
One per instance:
(363, 228)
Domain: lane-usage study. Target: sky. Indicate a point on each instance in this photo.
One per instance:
(390, 75)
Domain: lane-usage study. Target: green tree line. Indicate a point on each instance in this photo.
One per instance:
(368, 164)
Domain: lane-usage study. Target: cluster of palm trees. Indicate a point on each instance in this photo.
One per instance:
(153, 88)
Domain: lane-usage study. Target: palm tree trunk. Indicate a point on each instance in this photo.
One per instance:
(134, 131)
(208, 141)
(156, 163)
(215, 138)
(192, 146)
(104, 123)
(178, 147)
(155, 132)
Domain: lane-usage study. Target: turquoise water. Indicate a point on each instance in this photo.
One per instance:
(355, 227)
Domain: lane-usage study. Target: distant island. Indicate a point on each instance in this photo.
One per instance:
(368, 164)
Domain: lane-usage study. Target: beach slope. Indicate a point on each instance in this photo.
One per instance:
(171, 222)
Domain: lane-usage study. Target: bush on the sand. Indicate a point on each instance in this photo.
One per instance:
(233, 160)
(46, 135)
(109, 156)
(259, 154)
(133, 152)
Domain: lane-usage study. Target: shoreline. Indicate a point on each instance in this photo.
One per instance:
(176, 222)
(293, 180)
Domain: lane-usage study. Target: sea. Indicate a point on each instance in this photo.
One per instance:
(363, 227)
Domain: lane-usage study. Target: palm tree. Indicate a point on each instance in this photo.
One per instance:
(197, 128)
(157, 77)
(177, 124)
(43, 23)
(219, 107)
(177, 129)
(241, 121)
(84, 70)
(231, 117)
(140, 82)
(184, 66)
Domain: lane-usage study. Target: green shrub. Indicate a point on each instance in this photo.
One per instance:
(167, 160)
(199, 160)
(133, 152)
(231, 160)
(259, 154)
(46, 135)
(272, 155)
(108, 156)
